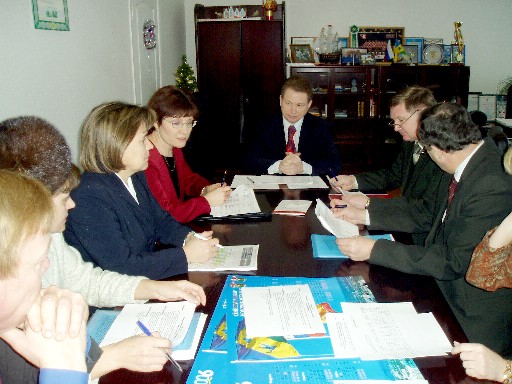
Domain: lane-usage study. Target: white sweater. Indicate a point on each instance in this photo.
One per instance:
(99, 287)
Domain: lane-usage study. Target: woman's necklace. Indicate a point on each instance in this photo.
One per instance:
(171, 168)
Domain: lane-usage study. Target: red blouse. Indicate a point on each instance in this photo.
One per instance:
(189, 204)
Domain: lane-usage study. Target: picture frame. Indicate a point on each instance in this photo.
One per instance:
(300, 40)
(412, 52)
(342, 43)
(302, 53)
(51, 14)
(455, 51)
(376, 38)
(416, 41)
(352, 56)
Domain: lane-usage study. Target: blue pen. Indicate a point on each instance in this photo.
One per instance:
(146, 331)
(224, 178)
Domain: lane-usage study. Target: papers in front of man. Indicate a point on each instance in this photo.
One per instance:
(376, 331)
(273, 181)
(230, 258)
(241, 201)
(338, 227)
(292, 207)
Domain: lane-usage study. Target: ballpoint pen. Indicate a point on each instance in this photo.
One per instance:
(340, 206)
(146, 331)
(204, 238)
(224, 178)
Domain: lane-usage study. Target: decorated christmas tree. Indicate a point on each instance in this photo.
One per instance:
(185, 79)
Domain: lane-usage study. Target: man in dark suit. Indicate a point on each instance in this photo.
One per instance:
(478, 198)
(295, 142)
(413, 170)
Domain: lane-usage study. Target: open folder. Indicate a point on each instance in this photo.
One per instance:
(242, 205)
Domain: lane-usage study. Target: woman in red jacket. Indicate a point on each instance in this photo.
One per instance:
(180, 191)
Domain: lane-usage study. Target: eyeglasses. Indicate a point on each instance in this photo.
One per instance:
(394, 125)
(176, 124)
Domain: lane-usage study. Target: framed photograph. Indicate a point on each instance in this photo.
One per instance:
(51, 14)
(455, 53)
(376, 38)
(352, 56)
(416, 41)
(302, 53)
(299, 40)
(342, 43)
(411, 54)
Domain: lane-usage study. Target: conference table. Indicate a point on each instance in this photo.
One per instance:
(285, 250)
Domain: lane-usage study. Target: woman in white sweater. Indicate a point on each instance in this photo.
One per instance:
(34, 147)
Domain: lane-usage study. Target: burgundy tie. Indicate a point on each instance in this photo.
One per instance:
(290, 145)
(451, 190)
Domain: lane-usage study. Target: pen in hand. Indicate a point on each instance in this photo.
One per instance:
(340, 206)
(224, 178)
(146, 331)
(204, 238)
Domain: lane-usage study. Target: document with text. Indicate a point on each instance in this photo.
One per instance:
(376, 331)
(241, 201)
(273, 182)
(171, 319)
(338, 227)
(280, 311)
(230, 258)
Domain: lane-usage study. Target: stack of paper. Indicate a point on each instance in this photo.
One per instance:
(377, 331)
(175, 321)
(230, 258)
(338, 227)
(292, 207)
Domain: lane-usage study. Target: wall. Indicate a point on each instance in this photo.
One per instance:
(60, 76)
(486, 26)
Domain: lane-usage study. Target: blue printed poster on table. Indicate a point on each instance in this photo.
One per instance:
(226, 355)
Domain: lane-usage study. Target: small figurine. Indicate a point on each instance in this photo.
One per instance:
(270, 7)
(353, 87)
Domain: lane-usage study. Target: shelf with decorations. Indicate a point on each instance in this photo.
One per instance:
(359, 117)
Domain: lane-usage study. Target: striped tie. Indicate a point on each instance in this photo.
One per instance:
(451, 190)
(290, 145)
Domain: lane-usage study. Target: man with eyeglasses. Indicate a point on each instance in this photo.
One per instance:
(413, 170)
(294, 142)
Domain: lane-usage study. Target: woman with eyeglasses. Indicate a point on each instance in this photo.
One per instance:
(180, 191)
(117, 224)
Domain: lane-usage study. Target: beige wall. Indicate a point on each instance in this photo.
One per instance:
(60, 76)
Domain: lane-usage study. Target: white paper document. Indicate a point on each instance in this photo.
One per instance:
(230, 258)
(241, 201)
(292, 207)
(171, 319)
(272, 182)
(377, 331)
(338, 227)
(283, 310)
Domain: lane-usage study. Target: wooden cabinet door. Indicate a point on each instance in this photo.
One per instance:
(218, 59)
(262, 70)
